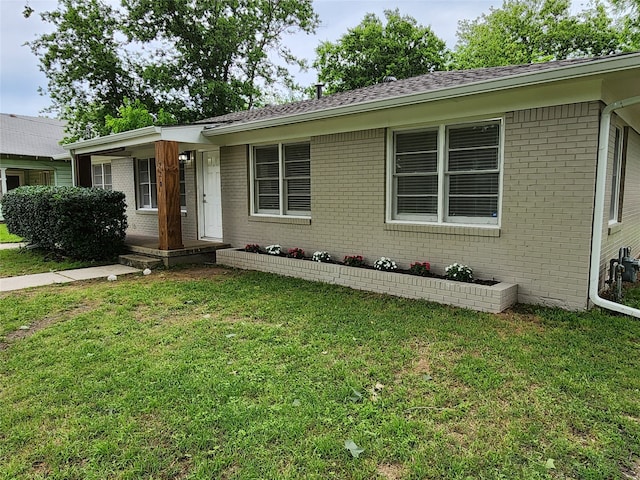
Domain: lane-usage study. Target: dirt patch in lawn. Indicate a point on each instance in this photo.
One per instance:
(195, 272)
(28, 330)
(391, 471)
(633, 473)
(518, 324)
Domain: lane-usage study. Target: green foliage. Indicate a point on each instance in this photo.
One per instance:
(372, 50)
(185, 60)
(458, 272)
(629, 11)
(530, 31)
(353, 260)
(631, 295)
(133, 115)
(88, 77)
(83, 223)
(420, 268)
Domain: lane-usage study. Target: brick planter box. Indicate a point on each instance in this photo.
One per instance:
(495, 298)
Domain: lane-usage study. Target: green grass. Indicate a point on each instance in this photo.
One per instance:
(6, 237)
(631, 296)
(209, 373)
(15, 262)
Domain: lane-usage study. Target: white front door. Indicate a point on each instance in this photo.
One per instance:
(211, 196)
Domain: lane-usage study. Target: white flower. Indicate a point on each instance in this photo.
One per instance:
(273, 249)
(385, 264)
(321, 256)
(455, 271)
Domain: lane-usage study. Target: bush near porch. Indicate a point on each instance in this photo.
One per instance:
(83, 223)
(210, 373)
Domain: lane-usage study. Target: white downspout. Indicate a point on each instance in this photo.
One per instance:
(598, 214)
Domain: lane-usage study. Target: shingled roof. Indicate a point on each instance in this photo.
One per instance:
(31, 136)
(430, 82)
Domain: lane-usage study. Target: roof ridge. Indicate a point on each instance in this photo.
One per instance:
(432, 81)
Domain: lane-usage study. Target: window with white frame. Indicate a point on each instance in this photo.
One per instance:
(281, 176)
(146, 183)
(101, 176)
(616, 177)
(446, 174)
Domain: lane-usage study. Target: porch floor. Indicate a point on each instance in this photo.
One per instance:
(193, 251)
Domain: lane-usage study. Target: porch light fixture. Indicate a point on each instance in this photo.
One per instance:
(185, 158)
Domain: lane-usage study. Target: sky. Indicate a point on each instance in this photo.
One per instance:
(20, 77)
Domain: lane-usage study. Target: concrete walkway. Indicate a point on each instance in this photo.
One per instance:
(7, 246)
(66, 276)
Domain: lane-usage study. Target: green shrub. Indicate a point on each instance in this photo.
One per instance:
(83, 223)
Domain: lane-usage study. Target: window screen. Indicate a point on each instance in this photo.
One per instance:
(415, 175)
(473, 172)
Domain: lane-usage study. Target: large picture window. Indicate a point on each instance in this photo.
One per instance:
(446, 174)
(282, 179)
(147, 185)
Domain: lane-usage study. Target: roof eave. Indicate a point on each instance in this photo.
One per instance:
(62, 157)
(146, 135)
(117, 138)
(596, 67)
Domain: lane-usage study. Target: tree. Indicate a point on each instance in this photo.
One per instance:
(529, 31)
(87, 78)
(133, 115)
(372, 50)
(630, 13)
(192, 60)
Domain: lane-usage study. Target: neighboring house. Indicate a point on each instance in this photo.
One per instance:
(494, 168)
(30, 152)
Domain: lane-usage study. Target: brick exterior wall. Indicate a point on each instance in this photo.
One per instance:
(549, 182)
(544, 241)
(146, 222)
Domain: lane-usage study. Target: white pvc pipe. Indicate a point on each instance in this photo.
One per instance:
(598, 214)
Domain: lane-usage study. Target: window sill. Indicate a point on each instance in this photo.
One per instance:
(278, 219)
(614, 228)
(490, 231)
(154, 211)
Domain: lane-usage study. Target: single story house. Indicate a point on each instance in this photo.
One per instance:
(30, 152)
(495, 168)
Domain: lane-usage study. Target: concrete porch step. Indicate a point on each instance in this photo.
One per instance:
(140, 261)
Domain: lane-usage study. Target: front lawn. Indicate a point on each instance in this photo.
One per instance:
(209, 373)
(20, 261)
(6, 237)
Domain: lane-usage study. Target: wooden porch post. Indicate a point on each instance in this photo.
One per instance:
(168, 188)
